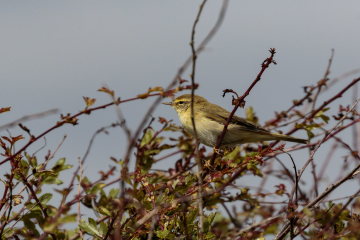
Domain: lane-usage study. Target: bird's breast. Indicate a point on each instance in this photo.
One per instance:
(208, 131)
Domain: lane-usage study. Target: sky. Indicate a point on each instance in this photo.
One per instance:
(52, 53)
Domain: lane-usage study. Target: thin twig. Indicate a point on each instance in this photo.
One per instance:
(152, 227)
(53, 154)
(80, 179)
(323, 81)
(254, 225)
(197, 154)
(319, 144)
(18, 219)
(330, 223)
(314, 203)
(29, 117)
(296, 177)
(240, 101)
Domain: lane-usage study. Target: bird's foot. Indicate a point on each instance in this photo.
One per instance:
(218, 151)
(208, 165)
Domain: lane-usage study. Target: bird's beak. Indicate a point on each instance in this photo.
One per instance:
(168, 103)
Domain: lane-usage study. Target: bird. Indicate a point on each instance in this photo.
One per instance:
(210, 119)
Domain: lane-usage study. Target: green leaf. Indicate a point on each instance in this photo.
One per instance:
(232, 154)
(211, 217)
(250, 115)
(104, 211)
(52, 180)
(325, 118)
(60, 162)
(103, 229)
(210, 236)
(31, 226)
(92, 223)
(68, 218)
(175, 183)
(59, 165)
(310, 134)
(162, 234)
(113, 193)
(96, 188)
(89, 227)
(192, 216)
(206, 224)
(33, 162)
(45, 198)
(188, 178)
(147, 137)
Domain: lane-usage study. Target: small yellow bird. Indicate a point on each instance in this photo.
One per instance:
(210, 119)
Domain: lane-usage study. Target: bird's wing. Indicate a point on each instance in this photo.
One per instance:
(221, 115)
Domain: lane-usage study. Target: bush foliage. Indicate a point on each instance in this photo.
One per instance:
(155, 204)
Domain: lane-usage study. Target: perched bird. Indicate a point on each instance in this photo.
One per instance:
(210, 119)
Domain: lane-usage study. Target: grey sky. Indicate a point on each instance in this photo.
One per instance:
(54, 52)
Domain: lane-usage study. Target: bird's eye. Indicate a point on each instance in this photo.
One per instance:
(181, 102)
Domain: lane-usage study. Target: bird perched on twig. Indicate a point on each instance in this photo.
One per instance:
(210, 119)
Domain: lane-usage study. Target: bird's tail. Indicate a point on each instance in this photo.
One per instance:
(281, 137)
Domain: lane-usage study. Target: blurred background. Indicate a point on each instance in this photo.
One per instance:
(53, 53)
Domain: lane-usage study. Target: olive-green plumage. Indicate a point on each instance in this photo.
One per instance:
(210, 119)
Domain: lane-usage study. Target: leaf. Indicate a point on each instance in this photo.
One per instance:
(96, 188)
(106, 90)
(162, 234)
(325, 118)
(60, 162)
(310, 134)
(89, 227)
(104, 211)
(175, 183)
(33, 162)
(211, 217)
(250, 115)
(206, 224)
(103, 229)
(60, 165)
(89, 101)
(143, 96)
(13, 139)
(113, 193)
(232, 155)
(322, 116)
(68, 219)
(45, 198)
(2, 110)
(155, 89)
(52, 180)
(147, 137)
(92, 223)
(31, 226)
(192, 216)
(188, 178)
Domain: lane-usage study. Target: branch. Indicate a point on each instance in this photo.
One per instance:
(239, 102)
(314, 203)
(319, 144)
(29, 117)
(197, 154)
